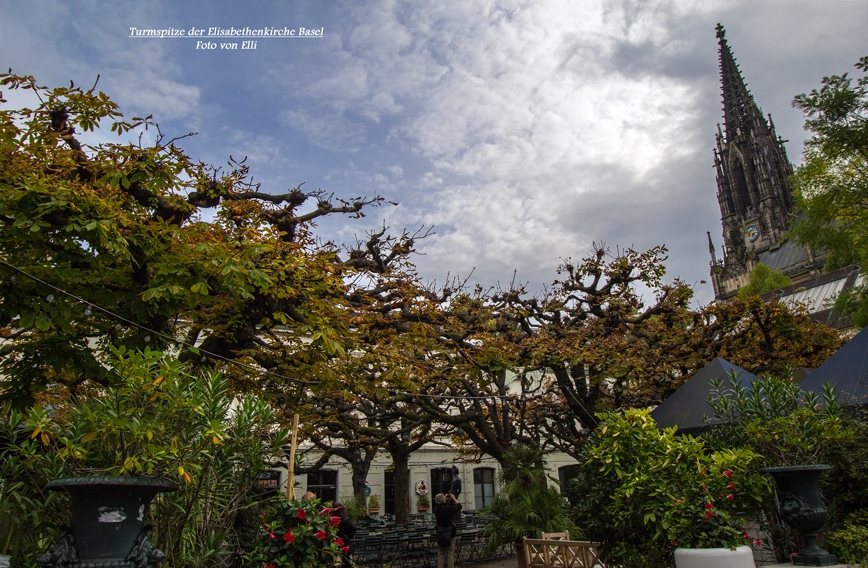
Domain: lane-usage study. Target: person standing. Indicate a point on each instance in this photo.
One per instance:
(445, 506)
(346, 532)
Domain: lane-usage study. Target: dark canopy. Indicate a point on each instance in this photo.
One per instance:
(686, 407)
(846, 370)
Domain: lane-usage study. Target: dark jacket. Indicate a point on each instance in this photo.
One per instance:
(347, 532)
(443, 513)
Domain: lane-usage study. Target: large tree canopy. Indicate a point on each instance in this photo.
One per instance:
(137, 244)
(833, 180)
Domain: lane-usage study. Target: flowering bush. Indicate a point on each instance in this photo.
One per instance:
(655, 491)
(704, 514)
(298, 534)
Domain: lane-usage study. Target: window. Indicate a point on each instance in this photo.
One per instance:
(441, 480)
(324, 484)
(483, 486)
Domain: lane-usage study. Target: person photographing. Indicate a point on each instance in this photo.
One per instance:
(445, 507)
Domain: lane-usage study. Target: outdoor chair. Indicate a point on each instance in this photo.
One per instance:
(556, 536)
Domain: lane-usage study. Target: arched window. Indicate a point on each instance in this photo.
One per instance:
(483, 486)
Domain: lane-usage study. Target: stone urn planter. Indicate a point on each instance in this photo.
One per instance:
(108, 522)
(741, 557)
(801, 507)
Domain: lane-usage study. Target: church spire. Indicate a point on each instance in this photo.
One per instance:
(739, 109)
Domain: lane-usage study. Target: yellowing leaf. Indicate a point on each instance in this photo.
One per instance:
(88, 437)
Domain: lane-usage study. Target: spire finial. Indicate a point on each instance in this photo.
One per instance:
(721, 32)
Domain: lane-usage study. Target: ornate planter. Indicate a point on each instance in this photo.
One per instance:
(108, 529)
(802, 508)
(741, 557)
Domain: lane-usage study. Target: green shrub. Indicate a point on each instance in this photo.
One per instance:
(525, 505)
(850, 542)
(154, 419)
(297, 534)
(642, 492)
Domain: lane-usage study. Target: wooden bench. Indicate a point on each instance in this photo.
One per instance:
(553, 553)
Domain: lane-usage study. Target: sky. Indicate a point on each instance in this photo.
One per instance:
(522, 132)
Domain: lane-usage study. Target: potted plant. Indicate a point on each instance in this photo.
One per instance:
(422, 503)
(374, 505)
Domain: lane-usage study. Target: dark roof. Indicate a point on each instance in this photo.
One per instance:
(686, 406)
(847, 370)
(788, 254)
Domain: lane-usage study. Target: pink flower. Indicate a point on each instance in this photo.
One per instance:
(731, 486)
(729, 496)
(326, 511)
(727, 473)
(301, 514)
(339, 542)
(679, 501)
(345, 549)
(289, 537)
(321, 535)
(757, 542)
(746, 535)
(271, 535)
(674, 543)
(335, 521)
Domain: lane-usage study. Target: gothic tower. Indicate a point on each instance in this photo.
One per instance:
(753, 187)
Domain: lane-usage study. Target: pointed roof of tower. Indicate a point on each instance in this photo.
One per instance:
(739, 107)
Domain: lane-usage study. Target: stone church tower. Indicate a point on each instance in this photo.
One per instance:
(753, 190)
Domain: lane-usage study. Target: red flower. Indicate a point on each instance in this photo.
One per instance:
(727, 473)
(271, 535)
(730, 496)
(674, 543)
(326, 511)
(335, 521)
(301, 514)
(757, 542)
(708, 505)
(345, 549)
(339, 542)
(731, 486)
(270, 566)
(289, 537)
(321, 535)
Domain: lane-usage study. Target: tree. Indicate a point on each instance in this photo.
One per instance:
(832, 183)
(109, 245)
(763, 279)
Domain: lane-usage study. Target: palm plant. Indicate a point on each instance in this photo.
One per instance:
(525, 505)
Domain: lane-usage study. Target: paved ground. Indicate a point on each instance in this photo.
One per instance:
(511, 562)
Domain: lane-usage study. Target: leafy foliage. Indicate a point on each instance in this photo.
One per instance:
(833, 180)
(525, 505)
(298, 534)
(850, 542)
(664, 487)
(763, 279)
(156, 419)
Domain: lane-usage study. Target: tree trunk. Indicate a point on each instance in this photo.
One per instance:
(402, 487)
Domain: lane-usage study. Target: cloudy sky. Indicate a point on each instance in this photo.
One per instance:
(521, 131)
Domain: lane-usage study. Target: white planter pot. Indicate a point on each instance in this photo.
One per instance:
(4, 560)
(741, 557)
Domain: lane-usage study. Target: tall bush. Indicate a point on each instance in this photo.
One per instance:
(154, 419)
(785, 425)
(642, 492)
